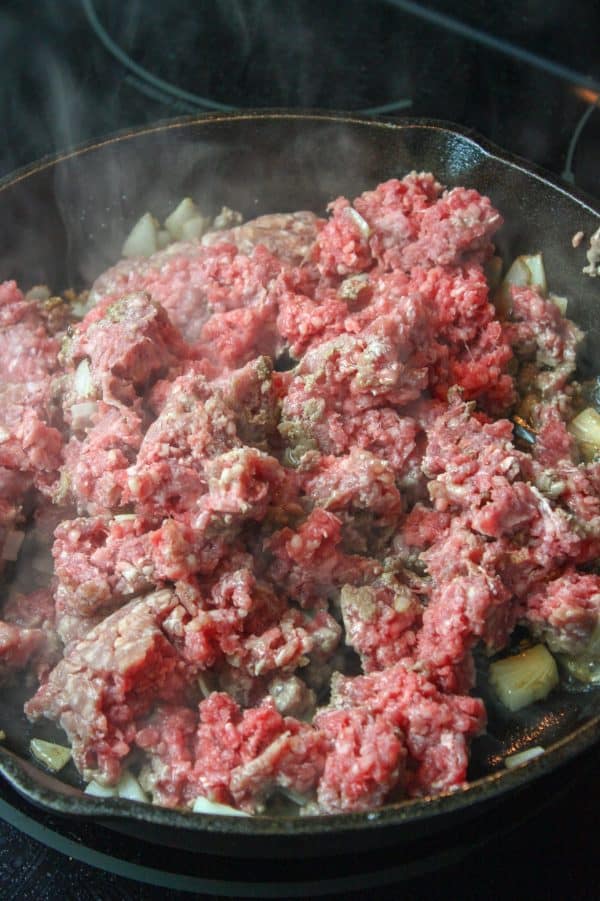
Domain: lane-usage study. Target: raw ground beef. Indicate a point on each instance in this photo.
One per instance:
(280, 502)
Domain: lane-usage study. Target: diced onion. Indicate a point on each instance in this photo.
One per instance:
(38, 292)
(585, 428)
(203, 805)
(522, 757)
(194, 228)
(561, 302)
(363, 225)
(163, 239)
(182, 213)
(12, 545)
(142, 239)
(535, 264)
(100, 791)
(227, 218)
(2, 735)
(82, 380)
(53, 756)
(526, 271)
(128, 787)
(82, 414)
(524, 678)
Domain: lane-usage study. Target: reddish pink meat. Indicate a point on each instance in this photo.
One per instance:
(108, 680)
(288, 236)
(192, 282)
(394, 211)
(381, 621)
(18, 646)
(167, 738)
(564, 611)
(94, 473)
(194, 426)
(342, 246)
(309, 563)
(455, 228)
(359, 483)
(365, 763)
(436, 727)
(242, 758)
(128, 343)
(27, 352)
(275, 455)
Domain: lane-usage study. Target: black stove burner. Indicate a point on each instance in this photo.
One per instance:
(292, 53)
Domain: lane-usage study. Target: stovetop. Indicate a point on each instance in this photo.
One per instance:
(523, 74)
(526, 75)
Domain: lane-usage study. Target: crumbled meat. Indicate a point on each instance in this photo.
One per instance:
(435, 727)
(108, 680)
(17, 646)
(564, 611)
(266, 500)
(289, 236)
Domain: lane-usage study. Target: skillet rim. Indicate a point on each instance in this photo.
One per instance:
(48, 792)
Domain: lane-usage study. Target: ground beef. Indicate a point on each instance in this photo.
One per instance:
(281, 502)
(434, 727)
(289, 236)
(243, 757)
(564, 611)
(125, 344)
(108, 680)
(95, 469)
(381, 621)
(17, 646)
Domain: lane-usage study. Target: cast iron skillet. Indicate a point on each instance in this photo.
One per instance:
(63, 220)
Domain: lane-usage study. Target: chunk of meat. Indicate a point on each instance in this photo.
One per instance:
(28, 353)
(382, 621)
(99, 562)
(345, 377)
(95, 469)
(109, 680)
(456, 227)
(365, 763)
(538, 330)
(436, 727)
(242, 758)
(288, 236)
(564, 611)
(167, 738)
(124, 345)
(192, 282)
(194, 426)
(359, 483)
(309, 563)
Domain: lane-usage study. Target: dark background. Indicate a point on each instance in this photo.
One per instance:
(525, 75)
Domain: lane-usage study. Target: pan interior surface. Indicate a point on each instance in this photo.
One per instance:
(63, 221)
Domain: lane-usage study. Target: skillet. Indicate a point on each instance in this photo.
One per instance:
(63, 221)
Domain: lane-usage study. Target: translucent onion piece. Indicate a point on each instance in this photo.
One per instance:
(53, 756)
(522, 757)
(524, 678)
(182, 213)
(142, 240)
(203, 805)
